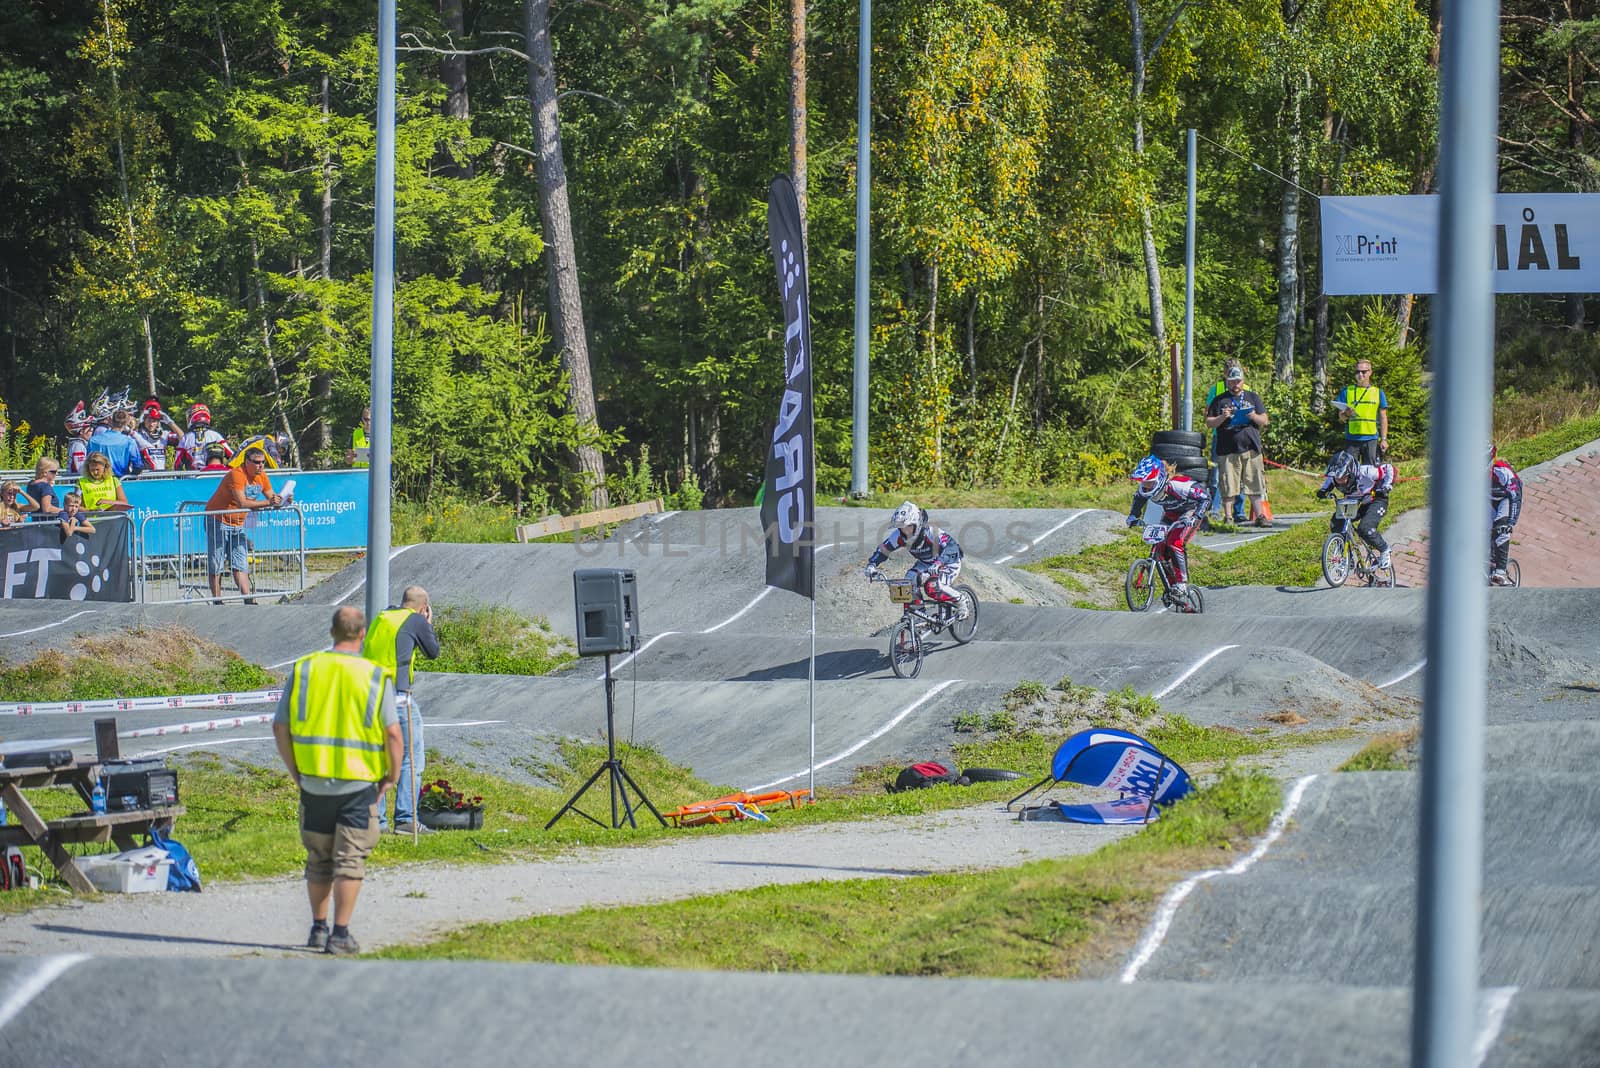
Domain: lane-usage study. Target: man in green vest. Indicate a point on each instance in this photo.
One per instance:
(1365, 412)
(360, 452)
(393, 641)
(338, 735)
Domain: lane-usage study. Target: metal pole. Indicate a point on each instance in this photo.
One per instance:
(1188, 298)
(811, 703)
(1450, 855)
(378, 481)
(858, 432)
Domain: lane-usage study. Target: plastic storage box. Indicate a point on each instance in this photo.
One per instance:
(137, 871)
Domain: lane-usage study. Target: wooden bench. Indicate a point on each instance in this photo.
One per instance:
(52, 836)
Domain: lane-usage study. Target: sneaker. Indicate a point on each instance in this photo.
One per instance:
(342, 946)
(962, 611)
(1499, 578)
(1263, 521)
(406, 828)
(1383, 561)
(318, 938)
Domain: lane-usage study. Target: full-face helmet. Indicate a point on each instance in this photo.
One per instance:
(1151, 474)
(1342, 471)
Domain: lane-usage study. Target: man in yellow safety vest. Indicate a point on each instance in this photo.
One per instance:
(1365, 412)
(338, 735)
(393, 641)
(360, 451)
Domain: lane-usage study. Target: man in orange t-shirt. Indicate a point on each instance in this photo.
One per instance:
(226, 545)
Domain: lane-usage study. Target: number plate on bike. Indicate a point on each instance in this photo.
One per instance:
(902, 592)
(1156, 533)
(1347, 507)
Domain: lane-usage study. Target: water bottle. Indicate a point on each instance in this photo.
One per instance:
(98, 798)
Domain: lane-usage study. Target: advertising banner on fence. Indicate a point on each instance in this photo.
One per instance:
(37, 562)
(1541, 243)
(788, 503)
(334, 504)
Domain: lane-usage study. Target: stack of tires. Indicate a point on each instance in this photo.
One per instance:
(1184, 452)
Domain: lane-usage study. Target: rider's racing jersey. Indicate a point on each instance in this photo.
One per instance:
(1180, 498)
(77, 453)
(192, 448)
(930, 546)
(1370, 482)
(1505, 491)
(154, 446)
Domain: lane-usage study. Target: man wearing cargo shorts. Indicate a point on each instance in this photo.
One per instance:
(1237, 415)
(339, 736)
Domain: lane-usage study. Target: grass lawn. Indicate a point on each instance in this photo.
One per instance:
(1051, 918)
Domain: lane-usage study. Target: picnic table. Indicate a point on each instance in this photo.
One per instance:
(52, 836)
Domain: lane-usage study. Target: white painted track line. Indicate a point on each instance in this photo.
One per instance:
(33, 984)
(1496, 1003)
(1402, 678)
(346, 595)
(47, 626)
(874, 736)
(1198, 664)
(1175, 897)
(1035, 541)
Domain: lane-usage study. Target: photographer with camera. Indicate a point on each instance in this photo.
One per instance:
(1237, 417)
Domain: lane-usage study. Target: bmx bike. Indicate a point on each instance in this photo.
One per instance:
(1346, 556)
(1513, 572)
(924, 615)
(1140, 586)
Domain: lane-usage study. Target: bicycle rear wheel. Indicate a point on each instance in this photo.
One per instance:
(1140, 586)
(1335, 559)
(905, 650)
(1196, 599)
(1514, 572)
(962, 630)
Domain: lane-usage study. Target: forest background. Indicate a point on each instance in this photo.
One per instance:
(186, 196)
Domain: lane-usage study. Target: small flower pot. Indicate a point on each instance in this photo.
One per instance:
(452, 819)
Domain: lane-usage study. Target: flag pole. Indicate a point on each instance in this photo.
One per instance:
(811, 704)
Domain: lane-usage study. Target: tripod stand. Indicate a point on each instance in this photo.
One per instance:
(619, 779)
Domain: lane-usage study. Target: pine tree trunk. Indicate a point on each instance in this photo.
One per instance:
(797, 110)
(566, 302)
(322, 383)
(453, 73)
(1152, 263)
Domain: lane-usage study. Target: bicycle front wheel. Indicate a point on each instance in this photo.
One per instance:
(905, 650)
(966, 626)
(1514, 572)
(1335, 559)
(1140, 586)
(1196, 600)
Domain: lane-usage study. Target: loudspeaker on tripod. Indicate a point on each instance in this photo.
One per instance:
(607, 602)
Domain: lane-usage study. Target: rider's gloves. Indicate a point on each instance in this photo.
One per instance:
(870, 572)
(1133, 520)
(1322, 494)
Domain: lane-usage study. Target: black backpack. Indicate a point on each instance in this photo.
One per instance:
(928, 773)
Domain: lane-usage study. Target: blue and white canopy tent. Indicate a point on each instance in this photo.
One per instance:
(1145, 779)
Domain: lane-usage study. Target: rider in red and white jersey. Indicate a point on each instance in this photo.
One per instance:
(1183, 504)
(79, 429)
(150, 436)
(937, 554)
(1367, 484)
(199, 440)
(1505, 508)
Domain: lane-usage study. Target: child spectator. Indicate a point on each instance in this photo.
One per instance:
(12, 509)
(73, 521)
(42, 490)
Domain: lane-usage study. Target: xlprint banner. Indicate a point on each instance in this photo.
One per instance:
(788, 505)
(1542, 243)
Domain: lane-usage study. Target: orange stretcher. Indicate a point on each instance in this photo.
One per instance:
(734, 807)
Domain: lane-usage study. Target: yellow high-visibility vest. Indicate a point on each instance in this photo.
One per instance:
(379, 646)
(97, 494)
(1363, 411)
(358, 441)
(336, 717)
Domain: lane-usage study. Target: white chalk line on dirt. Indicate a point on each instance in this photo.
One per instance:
(1175, 897)
(754, 600)
(1198, 664)
(1496, 1002)
(268, 737)
(874, 736)
(50, 969)
(601, 677)
(47, 626)
(1402, 678)
(1034, 542)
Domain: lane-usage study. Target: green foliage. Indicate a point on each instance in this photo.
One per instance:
(144, 662)
(495, 640)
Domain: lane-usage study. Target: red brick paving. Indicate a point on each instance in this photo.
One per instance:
(1556, 540)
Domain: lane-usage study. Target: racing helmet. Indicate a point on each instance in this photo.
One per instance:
(909, 515)
(101, 411)
(78, 418)
(123, 402)
(1151, 474)
(1342, 471)
(150, 409)
(199, 415)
